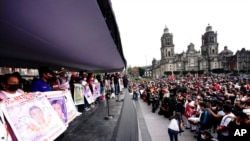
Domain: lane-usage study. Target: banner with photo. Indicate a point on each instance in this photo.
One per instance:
(88, 95)
(32, 118)
(96, 90)
(72, 113)
(67, 112)
(58, 103)
(78, 94)
(4, 134)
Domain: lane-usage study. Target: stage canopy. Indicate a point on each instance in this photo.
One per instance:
(74, 34)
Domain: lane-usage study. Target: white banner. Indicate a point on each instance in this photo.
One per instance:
(32, 118)
(88, 95)
(96, 90)
(78, 94)
(67, 110)
(71, 109)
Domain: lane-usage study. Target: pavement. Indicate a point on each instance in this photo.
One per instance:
(154, 127)
(157, 125)
(92, 125)
(132, 121)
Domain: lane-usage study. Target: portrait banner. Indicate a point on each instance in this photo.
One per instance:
(3, 128)
(78, 94)
(88, 95)
(58, 103)
(67, 104)
(32, 118)
(96, 90)
(72, 113)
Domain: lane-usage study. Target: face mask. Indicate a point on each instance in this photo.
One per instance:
(203, 137)
(13, 87)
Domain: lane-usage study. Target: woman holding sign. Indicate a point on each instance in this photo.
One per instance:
(10, 87)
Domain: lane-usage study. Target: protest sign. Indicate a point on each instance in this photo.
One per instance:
(96, 90)
(65, 99)
(34, 115)
(72, 113)
(78, 94)
(88, 95)
(58, 103)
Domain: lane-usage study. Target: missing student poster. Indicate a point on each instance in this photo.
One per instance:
(78, 94)
(63, 104)
(32, 118)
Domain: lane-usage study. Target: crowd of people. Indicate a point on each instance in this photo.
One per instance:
(212, 107)
(13, 84)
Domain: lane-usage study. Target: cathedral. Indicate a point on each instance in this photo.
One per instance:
(207, 59)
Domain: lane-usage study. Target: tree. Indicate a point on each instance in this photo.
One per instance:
(218, 71)
(167, 72)
(135, 71)
(184, 72)
(227, 71)
(129, 71)
(176, 72)
(192, 71)
(235, 72)
(242, 71)
(200, 71)
(141, 71)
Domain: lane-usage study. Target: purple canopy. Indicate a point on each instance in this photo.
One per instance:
(74, 34)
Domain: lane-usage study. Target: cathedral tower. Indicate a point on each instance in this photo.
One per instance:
(167, 46)
(209, 47)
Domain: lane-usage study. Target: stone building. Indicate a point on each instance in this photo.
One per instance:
(242, 60)
(148, 71)
(207, 59)
(226, 56)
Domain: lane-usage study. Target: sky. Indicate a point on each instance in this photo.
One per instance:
(141, 24)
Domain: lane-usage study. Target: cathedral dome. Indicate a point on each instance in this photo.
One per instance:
(166, 30)
(226, 51)
(209, 28)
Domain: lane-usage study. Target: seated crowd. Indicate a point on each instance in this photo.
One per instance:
(210, 107)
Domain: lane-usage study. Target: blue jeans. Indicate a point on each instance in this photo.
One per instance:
(173, 135)
(117, 91)
(135, 95)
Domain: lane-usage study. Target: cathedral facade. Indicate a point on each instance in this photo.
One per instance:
(207, 59)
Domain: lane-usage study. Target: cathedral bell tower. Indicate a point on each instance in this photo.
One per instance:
(167, 46)
(209, 47)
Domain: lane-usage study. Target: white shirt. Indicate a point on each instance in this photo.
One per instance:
(5, 95)
(247, 111)
(225, 121)
(174, 125)
(221, 113)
